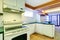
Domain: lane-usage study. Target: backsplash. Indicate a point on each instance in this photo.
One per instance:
(11, 17)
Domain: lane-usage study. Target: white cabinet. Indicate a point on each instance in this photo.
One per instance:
(39, 29)
(10, 4)
(47, 30)
(1, 2)
(1, 36)
(20, 4)
(14, 4)
(31, 28)
(43, 29)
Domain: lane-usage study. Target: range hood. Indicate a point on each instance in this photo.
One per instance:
(9, 10)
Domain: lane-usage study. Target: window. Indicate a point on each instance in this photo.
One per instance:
(47, 18)
(28, 14)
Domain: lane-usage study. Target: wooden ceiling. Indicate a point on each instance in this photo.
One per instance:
(52, 4)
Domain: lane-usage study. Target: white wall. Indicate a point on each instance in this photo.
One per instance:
(10, 17)
(36, 16)
(1, 20)
(27, 19)
(0, 6)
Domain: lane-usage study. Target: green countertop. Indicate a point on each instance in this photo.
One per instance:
(37, 23)
(1, 30)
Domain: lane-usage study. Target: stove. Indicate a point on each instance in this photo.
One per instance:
(16, 32)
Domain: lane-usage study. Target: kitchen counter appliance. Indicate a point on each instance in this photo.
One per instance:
(16, 32)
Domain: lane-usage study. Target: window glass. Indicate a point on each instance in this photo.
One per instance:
(28, 14)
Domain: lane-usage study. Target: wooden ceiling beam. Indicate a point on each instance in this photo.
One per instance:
(47, 4)
(29, 6)
(52, 6)
(42, 6)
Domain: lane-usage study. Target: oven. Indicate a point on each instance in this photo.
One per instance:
(16, 33)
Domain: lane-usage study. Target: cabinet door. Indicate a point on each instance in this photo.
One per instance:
(20, 4)
(1, 6)
(1, 37)
(10, 4)
(31, 28)
(40, 28)
(49, 30)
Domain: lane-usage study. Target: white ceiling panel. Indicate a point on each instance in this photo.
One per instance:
(37, 2)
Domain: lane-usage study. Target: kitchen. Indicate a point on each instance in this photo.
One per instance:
(24, 22)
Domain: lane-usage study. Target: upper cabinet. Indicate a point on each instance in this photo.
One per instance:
(1, 3)
(20, 4)
(16, 6)
(9, 4)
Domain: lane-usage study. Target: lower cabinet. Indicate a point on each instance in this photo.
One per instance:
(1, 36)
(39, 29)
(47, 30)
(43, 29)
(31, 28)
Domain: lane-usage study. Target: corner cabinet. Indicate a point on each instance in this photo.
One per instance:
(31, 28)
(47, 30)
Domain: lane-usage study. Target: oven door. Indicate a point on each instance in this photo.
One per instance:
(20, 37)
(17, 34)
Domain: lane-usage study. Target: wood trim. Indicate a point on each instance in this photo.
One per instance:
(42, 6)
(47, 4)
(29, 6)
(52, 6)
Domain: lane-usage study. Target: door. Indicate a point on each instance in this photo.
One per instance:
(55, 19)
